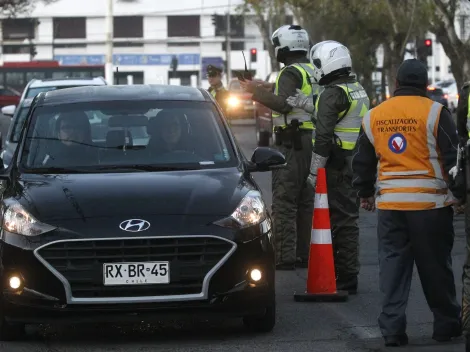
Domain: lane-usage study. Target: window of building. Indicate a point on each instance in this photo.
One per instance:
(128, 27)
(184, 26)
(234, 46)
(16, 49)
(69, 28)
(237, 26)
(19, 28)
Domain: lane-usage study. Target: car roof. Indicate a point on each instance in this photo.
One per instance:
(69, 81)
(123, 92)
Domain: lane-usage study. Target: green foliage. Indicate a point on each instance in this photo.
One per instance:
(12, 8)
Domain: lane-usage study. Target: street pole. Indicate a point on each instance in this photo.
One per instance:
(200, 48)
(433, 63)
(228, 45)
(108, 68)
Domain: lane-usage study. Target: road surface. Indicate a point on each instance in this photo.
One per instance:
(326, 327)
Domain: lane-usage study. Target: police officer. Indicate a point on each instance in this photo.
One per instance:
(292, 195)
(410, 142)
(463, 127)
(214, 76)
(338, 114)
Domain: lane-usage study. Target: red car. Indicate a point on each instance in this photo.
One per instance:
(263, 118)
(9, 96)
(239, 104)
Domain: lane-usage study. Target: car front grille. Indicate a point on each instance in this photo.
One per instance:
(81, 263)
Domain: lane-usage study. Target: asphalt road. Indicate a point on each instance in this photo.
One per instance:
(346, 327)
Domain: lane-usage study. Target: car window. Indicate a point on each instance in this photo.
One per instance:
(18, 122)
(96, 136)
(32, 92)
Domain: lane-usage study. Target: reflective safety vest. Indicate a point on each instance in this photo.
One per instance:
(349, 121)
(403, 131)
(309, 88)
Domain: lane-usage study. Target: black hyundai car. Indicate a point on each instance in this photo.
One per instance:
(130, 202)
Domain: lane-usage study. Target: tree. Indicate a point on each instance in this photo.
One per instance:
(11, 8)
(268, 16)
(457, 49)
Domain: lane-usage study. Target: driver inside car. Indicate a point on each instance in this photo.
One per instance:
(74, 145)
(169, 133)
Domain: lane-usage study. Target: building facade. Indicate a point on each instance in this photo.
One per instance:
(147, 35)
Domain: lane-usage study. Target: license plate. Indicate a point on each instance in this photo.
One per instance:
(136, 273)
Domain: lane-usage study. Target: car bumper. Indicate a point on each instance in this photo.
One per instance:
(229, 291)
(241, 111)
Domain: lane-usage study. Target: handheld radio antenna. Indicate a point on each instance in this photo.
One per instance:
(247, 73)
(117, 75)
(244, 59)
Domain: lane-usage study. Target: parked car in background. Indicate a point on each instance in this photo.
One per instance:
(239, 105)
(9, 96)
(450, 89)
(263, 118)
(437, 94)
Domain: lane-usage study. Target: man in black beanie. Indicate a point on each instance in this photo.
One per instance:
(405, 150)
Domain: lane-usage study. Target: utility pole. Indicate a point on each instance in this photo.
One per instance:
(228, 45)
(200, 48)
(108, 68)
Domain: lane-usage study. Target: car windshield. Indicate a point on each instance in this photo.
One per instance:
(32, 92)
(235, 86)
(126, 135)
(18, 123)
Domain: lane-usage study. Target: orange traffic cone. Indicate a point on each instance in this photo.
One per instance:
(321, 277)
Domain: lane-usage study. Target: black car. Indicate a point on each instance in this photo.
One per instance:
(438, 95)
(149, 210)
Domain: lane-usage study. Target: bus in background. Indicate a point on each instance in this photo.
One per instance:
(17, 74)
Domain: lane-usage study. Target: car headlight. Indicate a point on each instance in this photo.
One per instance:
(233, 101)
(17, 220)
(249, 212)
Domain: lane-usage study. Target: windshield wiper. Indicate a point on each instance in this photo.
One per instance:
(144, 167)
(58, 170)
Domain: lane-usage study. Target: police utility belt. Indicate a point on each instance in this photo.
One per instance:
(290, 135)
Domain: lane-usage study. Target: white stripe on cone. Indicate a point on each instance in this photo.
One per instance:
(321, 236)
(321, 201)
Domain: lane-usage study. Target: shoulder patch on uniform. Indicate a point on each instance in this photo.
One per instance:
(397, 143)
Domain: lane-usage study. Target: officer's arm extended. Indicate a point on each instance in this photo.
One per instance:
(364, 166)
(447, 142)
(289, 80)
(462, 112)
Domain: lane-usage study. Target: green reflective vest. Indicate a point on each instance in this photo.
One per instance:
(350, 120)
(308, 88)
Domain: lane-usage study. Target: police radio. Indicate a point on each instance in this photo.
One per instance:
(243, 76)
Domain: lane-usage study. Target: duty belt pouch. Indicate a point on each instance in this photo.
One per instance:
(337, 159)
(296, 134)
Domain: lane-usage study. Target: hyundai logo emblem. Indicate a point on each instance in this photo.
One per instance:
(134, 225)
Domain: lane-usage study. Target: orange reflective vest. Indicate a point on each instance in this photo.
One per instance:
(410, 176)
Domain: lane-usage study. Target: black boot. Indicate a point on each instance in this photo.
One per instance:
(285, 266)
(349, 285)
(396, 340)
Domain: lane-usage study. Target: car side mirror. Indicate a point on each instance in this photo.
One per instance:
(9, 110)
(266, 159)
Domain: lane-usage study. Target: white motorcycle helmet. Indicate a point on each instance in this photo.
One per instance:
(289, 38)
(330, 58)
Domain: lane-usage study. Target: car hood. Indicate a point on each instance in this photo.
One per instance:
(82, 196)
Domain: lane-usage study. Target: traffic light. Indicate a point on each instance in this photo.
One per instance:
(428, 47)
(32, 51)
(253, 54)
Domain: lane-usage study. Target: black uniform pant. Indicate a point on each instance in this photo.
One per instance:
(425, 237)
(293, 199)
(466, 277)
(344, 217)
